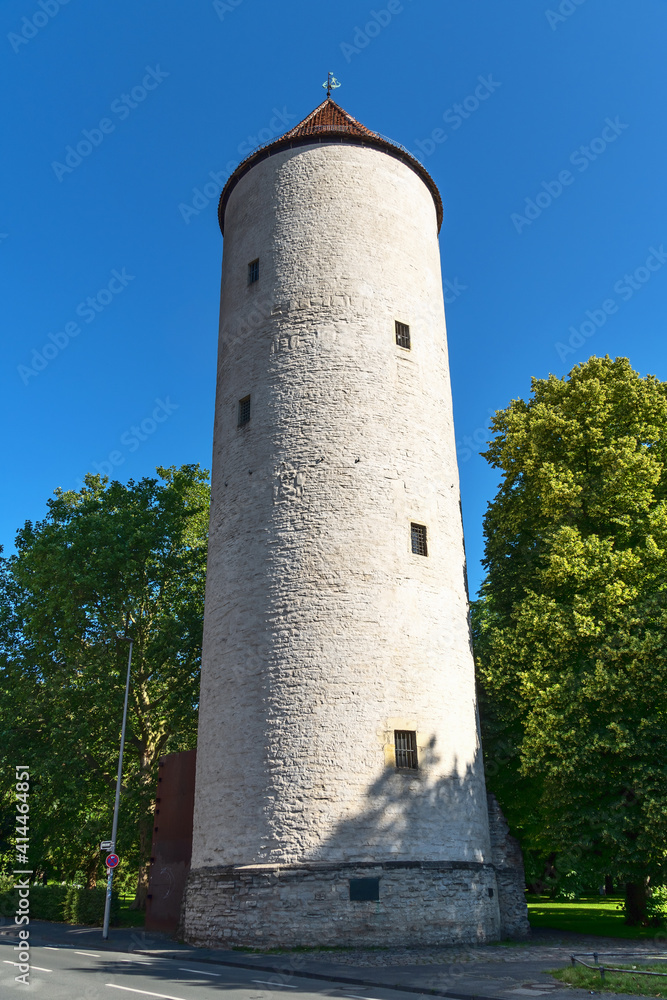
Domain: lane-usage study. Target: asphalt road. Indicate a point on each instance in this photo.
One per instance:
(70, 973)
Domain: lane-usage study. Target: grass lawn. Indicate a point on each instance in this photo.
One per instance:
(600, 915)
(128, 917)
(615, 982)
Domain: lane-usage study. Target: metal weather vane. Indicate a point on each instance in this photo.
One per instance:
(331, 84)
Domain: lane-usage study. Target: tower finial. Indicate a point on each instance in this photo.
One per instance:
(331, 84)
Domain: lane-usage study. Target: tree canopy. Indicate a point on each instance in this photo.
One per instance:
(570, 630)
(107, 562)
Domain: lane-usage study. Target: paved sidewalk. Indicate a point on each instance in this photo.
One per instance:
(487, 972)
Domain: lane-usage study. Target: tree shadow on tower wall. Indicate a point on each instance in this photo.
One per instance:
(415, 815)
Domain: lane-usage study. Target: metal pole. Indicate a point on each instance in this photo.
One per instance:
(114, 829)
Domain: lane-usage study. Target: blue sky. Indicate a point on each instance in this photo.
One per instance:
(551, 169)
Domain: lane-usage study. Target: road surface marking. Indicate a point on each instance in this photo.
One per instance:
(37, 967)
(272, 982)
(524, 992)
(146, 993)
(197, 972)
(90, 953)
(358, 996)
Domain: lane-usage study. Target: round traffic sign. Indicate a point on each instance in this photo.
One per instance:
(112, 860)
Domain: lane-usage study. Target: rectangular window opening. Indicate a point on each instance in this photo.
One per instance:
(418, 539)
(403, 335)
(364, 889)
(244, 410)
(253, 271)
(405, 745)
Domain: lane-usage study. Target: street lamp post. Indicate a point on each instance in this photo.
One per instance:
(107, 902)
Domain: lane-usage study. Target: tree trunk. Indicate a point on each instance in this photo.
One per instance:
(636, 895)
(91, 871)
(145, 833)
(608, 885)
(550, 874)
(141, 892)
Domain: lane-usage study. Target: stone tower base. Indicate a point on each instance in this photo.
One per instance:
(420, 903)
(510, 877)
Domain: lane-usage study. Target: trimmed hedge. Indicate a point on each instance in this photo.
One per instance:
(86, 906)
(62, 903)
(7, 904)
(47, 902)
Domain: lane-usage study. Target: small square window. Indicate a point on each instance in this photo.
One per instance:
(403, 335)
(418, 539)
(244, 410)
(253, 271)
(405, 745)
(364, 889)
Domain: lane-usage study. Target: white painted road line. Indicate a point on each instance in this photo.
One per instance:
(146, 993)
(357, 996)
(271, 982)
(91, 954)
(36, 967)
(197, 972)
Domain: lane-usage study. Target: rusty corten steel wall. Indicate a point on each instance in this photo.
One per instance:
(172, 840)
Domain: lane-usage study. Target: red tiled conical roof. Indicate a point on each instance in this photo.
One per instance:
(328, 117)
(328, 122)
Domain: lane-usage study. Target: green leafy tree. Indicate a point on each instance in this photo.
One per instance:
(571, 628)
(108, 562)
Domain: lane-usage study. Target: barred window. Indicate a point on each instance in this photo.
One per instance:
(403, 335)
(253, 271)
(244, 410)
(418, 539)
(405, 744)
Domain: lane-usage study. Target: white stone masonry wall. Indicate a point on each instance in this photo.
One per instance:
(324, 632)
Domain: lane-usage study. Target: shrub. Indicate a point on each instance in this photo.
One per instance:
(62, 903)
(46, 902)
(569, 886)
(8, 901)
(656, 907)
(7, 882)
(86, 906)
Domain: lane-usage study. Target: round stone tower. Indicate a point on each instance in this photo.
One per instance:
(340, 794)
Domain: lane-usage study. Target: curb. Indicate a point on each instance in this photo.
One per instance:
(348, 980)
(188, 954)
(184, 955)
